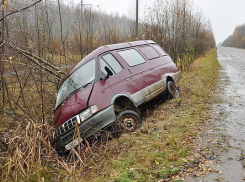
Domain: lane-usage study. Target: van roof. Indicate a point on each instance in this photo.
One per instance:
(106, 48)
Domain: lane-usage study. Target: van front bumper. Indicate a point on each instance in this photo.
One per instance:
(86, 129)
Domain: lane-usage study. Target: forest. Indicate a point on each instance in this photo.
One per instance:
(237, 39)
(41, 40)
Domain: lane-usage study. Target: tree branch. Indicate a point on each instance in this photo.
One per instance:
(33, 56)
(20, 10)
(37, 60)
(46, 69)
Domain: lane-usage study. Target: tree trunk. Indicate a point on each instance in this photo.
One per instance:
(2, 85)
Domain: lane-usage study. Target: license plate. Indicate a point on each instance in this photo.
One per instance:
(74, 143)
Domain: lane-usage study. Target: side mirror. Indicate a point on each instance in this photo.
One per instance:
(108, 71)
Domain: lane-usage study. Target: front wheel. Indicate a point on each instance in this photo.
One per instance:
(173, 91)
(128, 121)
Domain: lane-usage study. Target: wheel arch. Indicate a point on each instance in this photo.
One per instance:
(124, 102)
(169, 78)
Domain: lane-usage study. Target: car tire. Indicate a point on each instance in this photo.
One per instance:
(128, 121)
(172, 90)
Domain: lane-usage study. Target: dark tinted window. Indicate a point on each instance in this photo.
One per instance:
(149, 52)
(111, 62)
(159, 49)
(132, 57)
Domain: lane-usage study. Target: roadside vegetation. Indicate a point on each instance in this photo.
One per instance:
(41, 41)
(163, 148)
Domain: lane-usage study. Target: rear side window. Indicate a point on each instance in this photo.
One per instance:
(132, 57)
(159, 49)
(149, 52)
(111, 62)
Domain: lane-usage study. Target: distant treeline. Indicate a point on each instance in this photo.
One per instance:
(55, 28)
(237, 39)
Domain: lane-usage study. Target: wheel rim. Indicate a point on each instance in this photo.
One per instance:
(128, 123)
(173, 90)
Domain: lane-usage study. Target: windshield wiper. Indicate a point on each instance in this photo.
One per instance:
(73, 92)
(86, 84)
(78, 89)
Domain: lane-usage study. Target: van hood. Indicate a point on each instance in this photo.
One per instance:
(72, 106)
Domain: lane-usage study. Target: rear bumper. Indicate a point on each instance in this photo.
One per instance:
(88, 128)
(177, 76)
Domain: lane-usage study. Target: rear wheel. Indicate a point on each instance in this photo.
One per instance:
(173, 91)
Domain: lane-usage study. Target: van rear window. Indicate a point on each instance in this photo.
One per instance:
(132, 57)
(159, 49)
(149, 52)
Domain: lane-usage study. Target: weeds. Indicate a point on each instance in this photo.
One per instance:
(159, 150)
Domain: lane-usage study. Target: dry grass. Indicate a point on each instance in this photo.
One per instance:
(159, 150)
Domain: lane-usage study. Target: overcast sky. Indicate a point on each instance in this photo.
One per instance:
(224, 15)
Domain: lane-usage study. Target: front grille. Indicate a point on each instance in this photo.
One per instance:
(66, 126)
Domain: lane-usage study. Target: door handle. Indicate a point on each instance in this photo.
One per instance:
(128, 79)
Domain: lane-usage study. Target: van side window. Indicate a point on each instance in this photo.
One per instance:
(159, 49)
(149, 52)
(111, 62)
(132, 57)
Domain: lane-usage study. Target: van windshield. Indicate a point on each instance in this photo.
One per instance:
(81, 77)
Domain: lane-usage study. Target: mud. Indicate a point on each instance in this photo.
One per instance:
(224, 144)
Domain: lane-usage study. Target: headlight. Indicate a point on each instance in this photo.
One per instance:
(88, 113)
(94, 109)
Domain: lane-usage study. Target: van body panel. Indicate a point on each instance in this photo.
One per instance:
(123, 83)
(138, 98)
(153, 90)
(144, 77)
(130, 97)
(101, 95)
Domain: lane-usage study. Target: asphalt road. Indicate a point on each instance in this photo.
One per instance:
(227, 138)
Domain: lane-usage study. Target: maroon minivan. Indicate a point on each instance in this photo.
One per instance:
(106, 89)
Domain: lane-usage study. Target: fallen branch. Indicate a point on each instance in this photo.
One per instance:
(33, 55)
(46, 69)
(20, 10)
(37, 60)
